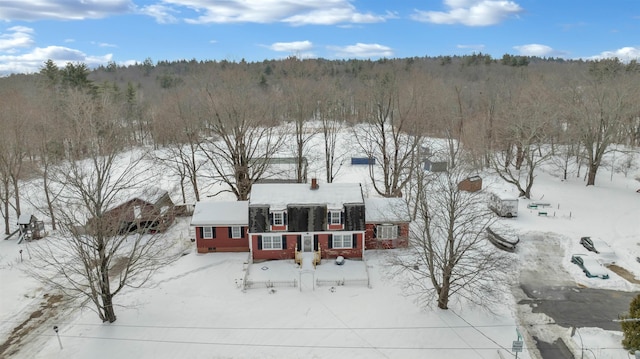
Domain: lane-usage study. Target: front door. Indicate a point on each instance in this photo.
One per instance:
(307, 243)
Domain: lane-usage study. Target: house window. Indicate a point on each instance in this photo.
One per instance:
(342, 241)
(278, 218)
(335, 217)
(387, 231)
(236, 232)
(271, 242)
(207, 232)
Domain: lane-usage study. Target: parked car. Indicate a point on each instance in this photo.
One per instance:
(590, 266)
(587, 242)
(606, 255)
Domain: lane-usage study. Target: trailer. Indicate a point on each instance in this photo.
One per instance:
(503, 205)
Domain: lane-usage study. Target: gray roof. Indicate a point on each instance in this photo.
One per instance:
(391, 210)
(151, 194)
(218, 213)
(279, 195)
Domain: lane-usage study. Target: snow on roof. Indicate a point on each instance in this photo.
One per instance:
(218, 213)
(380, 210)
(151, 194)
(24, 219)
(279, 195)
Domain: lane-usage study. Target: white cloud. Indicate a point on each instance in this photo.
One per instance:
(291, 46)
(299, 49)
(63, 10)
(162, 14)
(16, 37)
(332, 16)
(535, 50)
(295, 12)
(475, 47)
(361, 50)
(625, 54)
(470, 12)
(105, 44)
(33, 61)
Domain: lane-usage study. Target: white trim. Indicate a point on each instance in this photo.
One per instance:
(349, 238)
(335, 214)
(204, 232)
(274, 238)
(387, 231)
(279, 214)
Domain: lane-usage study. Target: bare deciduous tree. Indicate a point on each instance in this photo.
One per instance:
(601, 106)
(449, 255)
(391, 133)
(94, 263)
(300, 98)
(241, 120)
(334, 113)
(13, 148)
(180, 130)
(523, 137)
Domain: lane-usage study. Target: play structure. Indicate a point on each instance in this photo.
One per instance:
(29, 227)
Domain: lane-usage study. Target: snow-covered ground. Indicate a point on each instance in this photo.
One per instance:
(198, 307)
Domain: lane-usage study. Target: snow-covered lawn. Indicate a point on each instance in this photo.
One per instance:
(199, 308)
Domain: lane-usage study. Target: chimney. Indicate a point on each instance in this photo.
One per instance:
(314, 183)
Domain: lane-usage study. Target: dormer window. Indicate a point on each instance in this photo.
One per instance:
(278, 218)
(335, 217)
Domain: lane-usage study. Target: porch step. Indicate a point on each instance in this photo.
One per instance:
(307, 261)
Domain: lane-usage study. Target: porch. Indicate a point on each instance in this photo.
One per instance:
(286, 273)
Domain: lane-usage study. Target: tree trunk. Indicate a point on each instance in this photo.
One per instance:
(443, 296)
(5, 203)
(182, 192)
(591, 177)
(105, 291)
(16, 194)
(48, 197)
(107, 304)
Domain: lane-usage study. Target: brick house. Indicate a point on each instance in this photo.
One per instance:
(327, 219)
(220, 226)
(284, 220)
(387, 223)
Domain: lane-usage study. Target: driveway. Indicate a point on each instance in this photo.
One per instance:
(550, 302)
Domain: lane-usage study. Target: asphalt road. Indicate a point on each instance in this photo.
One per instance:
(547, 288)
(579, 307)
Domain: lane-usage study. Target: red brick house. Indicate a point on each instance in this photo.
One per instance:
(326, 219)
(221, 226)
(387, 223)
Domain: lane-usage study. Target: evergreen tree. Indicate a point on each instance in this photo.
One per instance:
(631, 326)
(51, 71)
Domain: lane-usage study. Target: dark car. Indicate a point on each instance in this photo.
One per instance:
(587, 242)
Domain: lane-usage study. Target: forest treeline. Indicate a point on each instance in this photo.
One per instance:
(498, 113)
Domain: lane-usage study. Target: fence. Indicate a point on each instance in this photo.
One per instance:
(364, 282)
(250, 284)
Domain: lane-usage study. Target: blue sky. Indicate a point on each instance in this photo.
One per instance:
(127, 31)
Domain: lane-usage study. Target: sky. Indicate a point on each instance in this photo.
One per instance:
(96, 32)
